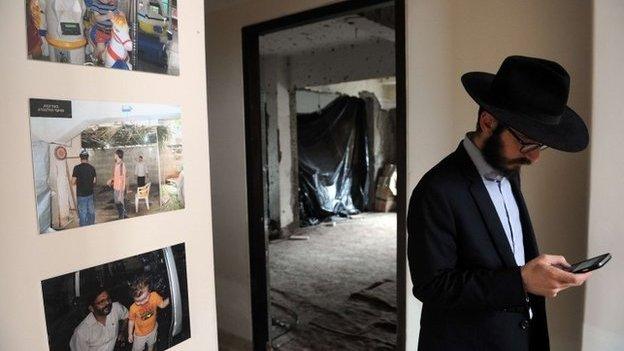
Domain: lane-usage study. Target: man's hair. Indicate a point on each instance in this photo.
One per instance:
(84, 154)
(92, 294)
(137, 286)
(119, 153)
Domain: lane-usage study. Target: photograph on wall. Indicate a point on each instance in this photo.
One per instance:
(96, 162)
(140, 35)
(137, 303)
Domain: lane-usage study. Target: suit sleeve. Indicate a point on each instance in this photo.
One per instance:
(433, 261)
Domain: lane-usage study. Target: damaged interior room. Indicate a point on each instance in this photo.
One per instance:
(329, 153)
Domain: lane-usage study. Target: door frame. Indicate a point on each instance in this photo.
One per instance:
(258, 248)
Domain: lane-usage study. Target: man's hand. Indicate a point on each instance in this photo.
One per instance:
(543, 276)
(130, 338)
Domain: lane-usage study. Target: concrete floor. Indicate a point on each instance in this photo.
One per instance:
(337, 290)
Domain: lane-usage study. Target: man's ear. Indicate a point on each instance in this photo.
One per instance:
(487, 123)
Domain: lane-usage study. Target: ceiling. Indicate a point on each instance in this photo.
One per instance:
(347, 30)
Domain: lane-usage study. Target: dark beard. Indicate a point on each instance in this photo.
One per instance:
(104, 311)
(493, 155)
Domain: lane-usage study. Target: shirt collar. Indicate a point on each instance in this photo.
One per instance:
(91, 319)
(485, 170)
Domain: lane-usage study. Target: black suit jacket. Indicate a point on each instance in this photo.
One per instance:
(462, 266)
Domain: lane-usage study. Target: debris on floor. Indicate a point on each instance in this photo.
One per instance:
(336, 290)
(298, 237)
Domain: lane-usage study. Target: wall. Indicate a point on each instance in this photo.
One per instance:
(444, 40)
(336, 65)
(275, 81)
(270, 75)
(102, 160)
(28, 257)
(289, 181)
(383, 88)
(604, 311)
(307, 101)
(430, 83)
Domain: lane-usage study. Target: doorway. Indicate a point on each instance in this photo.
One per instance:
(283, 226)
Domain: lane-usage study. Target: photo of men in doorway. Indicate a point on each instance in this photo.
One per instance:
(96, 162)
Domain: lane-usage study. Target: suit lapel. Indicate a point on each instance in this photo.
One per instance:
(530, 244)
(486, 207)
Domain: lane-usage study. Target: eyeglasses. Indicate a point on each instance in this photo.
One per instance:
(526, 146)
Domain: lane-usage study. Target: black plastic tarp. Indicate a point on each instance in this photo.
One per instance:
(333, 160)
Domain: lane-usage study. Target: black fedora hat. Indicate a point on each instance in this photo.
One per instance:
(530, 95)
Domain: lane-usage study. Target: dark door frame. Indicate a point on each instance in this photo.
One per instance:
(258, 249)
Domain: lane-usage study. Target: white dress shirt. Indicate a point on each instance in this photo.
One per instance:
(91, 335)
(501, 194)
(139, 169)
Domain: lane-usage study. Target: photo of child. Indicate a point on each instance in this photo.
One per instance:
(136, 303)
(102, 12)
(142, 326)
(140, 35)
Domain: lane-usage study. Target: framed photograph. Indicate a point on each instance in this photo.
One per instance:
(140, 35)
(96, 162)
(137, 303)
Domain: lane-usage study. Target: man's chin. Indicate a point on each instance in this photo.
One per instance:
(105, 312)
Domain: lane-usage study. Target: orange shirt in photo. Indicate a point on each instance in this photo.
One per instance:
(144, 316)
(119, 176)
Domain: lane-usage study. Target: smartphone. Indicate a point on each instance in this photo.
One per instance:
(590, 264)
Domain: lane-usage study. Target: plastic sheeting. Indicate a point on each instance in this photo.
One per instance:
(333, 160)
(41, 165)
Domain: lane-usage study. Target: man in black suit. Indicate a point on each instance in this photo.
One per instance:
(472, 251)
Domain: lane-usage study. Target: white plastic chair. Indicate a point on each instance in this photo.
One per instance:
(142, 194)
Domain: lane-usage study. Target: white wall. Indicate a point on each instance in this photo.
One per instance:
(430, 83)
(275, 82)
(288, 183)
(604, 310)
(28, 257)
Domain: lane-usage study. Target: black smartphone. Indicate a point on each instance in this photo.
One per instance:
(590, 264)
